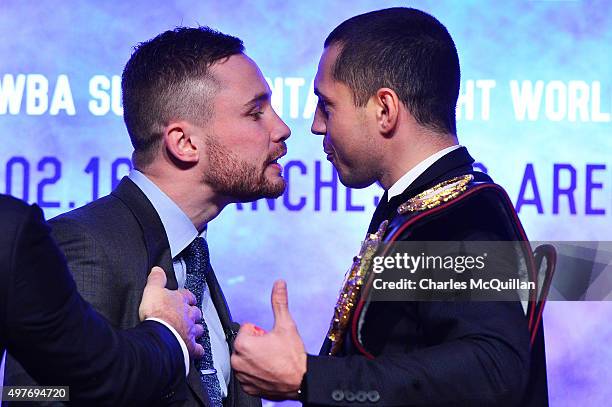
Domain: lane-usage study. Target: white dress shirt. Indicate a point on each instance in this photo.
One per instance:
(408, 178)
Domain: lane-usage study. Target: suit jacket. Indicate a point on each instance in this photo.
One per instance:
(59, 338)
(111, 245)
(433, 353)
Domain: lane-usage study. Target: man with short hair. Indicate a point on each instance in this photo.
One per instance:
(198, 113)
(388, 83)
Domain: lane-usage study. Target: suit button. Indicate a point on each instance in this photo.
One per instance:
(337, 395)
(373, 396)
(361, 396)
(349, 395)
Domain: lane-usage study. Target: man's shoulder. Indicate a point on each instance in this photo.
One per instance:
(462, 208)
(106, 219)
(15, 214)
(126, 208)
(108, 211)
(17, 219)
(12, 210)
(96, 211)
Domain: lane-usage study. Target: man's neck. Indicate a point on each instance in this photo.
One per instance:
(409, 152)
(199, 202)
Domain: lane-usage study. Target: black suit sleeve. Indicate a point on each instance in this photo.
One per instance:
(474, 354)
(61, 340)
(472, 364)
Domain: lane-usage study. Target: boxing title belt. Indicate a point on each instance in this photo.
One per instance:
(419, 211)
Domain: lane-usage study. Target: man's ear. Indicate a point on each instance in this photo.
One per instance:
(180, 143)
(386, 105)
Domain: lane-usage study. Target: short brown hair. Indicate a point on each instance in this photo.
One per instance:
(168, 78)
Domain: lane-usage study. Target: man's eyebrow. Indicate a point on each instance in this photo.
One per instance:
(321, 95)
(260, 97)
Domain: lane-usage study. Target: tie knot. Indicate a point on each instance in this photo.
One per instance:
(199, 246)
(196, 255)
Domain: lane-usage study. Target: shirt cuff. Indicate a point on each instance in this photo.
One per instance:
(178, 338)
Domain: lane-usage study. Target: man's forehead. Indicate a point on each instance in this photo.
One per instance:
(234, 68)
(239, 72)
(326, 65)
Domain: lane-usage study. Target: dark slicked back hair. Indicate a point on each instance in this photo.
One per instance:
(406, 50)
(167, 78)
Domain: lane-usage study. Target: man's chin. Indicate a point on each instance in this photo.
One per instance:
(275, 188)
(272, 190)
(350, 181)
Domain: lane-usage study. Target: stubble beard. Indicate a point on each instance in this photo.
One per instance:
(237, 179)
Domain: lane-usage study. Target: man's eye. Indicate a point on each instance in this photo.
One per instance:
(323, 107)
(257, 115)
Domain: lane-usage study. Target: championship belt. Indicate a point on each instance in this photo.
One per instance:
(412, 215)
(353, 280)
(358, 274)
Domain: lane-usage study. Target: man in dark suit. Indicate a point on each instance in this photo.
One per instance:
(61, 340)
(205, 135)
(388, 83)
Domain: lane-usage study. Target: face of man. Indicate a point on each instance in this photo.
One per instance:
(349, 143)
(244, 137)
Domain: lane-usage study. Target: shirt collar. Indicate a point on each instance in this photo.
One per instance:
(408, 178)
(178, 226)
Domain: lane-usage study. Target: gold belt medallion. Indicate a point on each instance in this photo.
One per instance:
(436, 195)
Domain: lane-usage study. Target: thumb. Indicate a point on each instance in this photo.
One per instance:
(157, 278)
(280, 305)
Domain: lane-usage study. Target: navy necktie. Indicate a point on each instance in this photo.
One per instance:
(198, 266)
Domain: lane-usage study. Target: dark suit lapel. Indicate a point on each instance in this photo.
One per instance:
(235, 395)
(216, 295)
(154, 234)
(218, 299)
(380, 214)
(158, 250)
(326, 347)
(457, 162)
